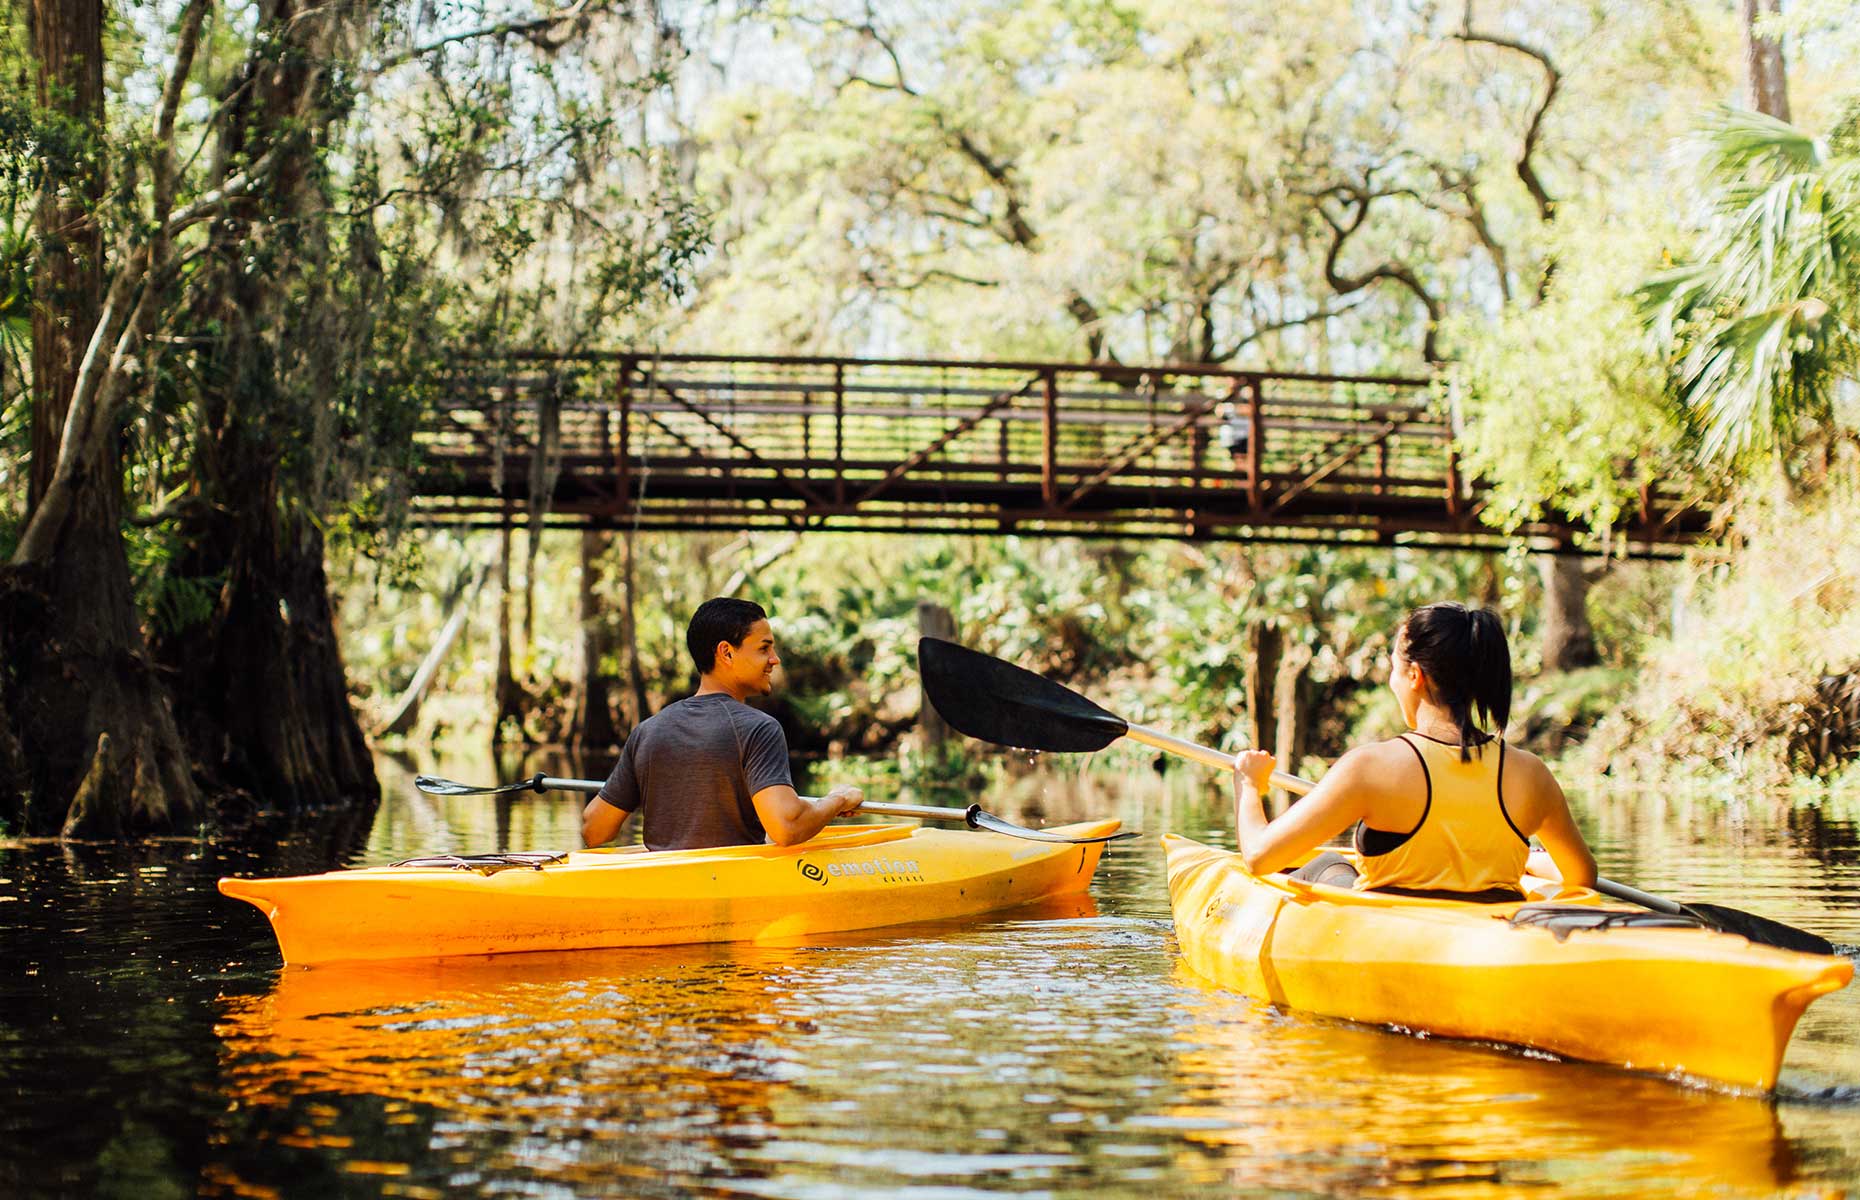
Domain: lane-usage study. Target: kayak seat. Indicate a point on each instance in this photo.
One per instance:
(1335, 870)
(1564, 919)
(1330, 868)
(488, 864)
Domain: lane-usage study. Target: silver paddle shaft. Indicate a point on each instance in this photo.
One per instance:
(1207, 755)
(923, 812)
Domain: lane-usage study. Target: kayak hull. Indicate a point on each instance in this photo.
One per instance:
(849, 877)
(1671, 1001)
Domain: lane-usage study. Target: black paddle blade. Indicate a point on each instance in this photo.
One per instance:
(1759, 929)
(433, 785)
(994, 701)
(993, 824)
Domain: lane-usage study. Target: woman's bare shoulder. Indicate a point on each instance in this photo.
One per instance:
(1375, 764)
(1528, 769)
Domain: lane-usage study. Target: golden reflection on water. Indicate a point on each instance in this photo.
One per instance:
(1315, 1106)
(663, 1065)
(1056, 1051)
(596, 1048)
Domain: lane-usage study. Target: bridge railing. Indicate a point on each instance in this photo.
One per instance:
(676, 441)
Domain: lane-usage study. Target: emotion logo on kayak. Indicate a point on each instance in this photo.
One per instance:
(813, 873)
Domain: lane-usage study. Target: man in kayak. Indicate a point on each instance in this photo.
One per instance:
(711, 770)
(1445, 809)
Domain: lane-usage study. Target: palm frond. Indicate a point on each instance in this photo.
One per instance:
(1738, 143)
(1761, 320)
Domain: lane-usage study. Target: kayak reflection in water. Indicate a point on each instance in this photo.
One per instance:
(710, 770)
(1445, 809)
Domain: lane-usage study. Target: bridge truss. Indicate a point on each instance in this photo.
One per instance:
(734, 443)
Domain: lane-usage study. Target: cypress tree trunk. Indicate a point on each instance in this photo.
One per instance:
(91, 747)
(933, 620)
(97, 743)
(1265, 648)
(1568, 639)
(593, 727)
(639, 706)
(67, 48)
(1293, 694)
(262, 694)
(508, 696)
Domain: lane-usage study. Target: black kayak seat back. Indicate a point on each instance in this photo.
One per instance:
(1565, 919)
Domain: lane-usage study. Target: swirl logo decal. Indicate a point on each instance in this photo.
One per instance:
(812, 873)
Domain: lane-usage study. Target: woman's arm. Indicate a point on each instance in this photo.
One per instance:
(1333, 806)
(1556, 829)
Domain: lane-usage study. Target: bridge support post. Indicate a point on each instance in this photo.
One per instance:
(839, 434)
(623, 473)
(1256, 443)
(1049, 438)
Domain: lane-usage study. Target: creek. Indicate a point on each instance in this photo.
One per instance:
(151, 1043)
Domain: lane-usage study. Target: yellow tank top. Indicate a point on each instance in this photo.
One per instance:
(1465, 841)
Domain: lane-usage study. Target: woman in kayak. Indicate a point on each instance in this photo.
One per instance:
(1446, 809)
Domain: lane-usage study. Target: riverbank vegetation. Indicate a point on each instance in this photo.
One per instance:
(1621, 236)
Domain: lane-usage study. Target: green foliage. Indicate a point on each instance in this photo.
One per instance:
(1564, 401)
(170, 601)
(1763, 317)
(1722, 696)
(1162, 182)
(18, 180)
(1157, 633)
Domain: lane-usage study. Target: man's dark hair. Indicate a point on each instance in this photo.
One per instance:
(1462, 652)
(720, 619)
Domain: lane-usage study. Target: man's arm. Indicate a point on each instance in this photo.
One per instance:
(791, 818)
(601, 822)
(617, 800)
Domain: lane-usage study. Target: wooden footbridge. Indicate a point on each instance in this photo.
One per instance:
(733, 443)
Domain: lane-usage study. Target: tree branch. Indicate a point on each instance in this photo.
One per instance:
(1526, 169)
(1320, 313)
(526, 28)
(1395, 272)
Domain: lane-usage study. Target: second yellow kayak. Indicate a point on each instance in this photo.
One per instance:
(849, 877)
(1557, 973)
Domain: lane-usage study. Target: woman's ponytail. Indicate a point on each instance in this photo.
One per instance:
(1491, 667)
(1463, 653)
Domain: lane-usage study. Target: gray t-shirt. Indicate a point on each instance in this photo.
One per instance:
(695, 764)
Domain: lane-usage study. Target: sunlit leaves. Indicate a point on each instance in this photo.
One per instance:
(1761, 320)
(1564, 404)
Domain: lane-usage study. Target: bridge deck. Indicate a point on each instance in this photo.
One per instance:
(714, 442)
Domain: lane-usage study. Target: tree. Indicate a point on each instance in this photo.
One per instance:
(1234, 184)
(275, 313)
(100, 749)
(1762, 322)
(1766, 82)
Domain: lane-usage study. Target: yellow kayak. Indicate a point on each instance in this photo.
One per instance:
(849, 877)
(1557, 972)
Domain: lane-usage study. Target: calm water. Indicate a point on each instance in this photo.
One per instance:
(151, 1044)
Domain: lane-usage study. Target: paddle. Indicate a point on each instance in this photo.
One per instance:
(995, 701)
(972, 816)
